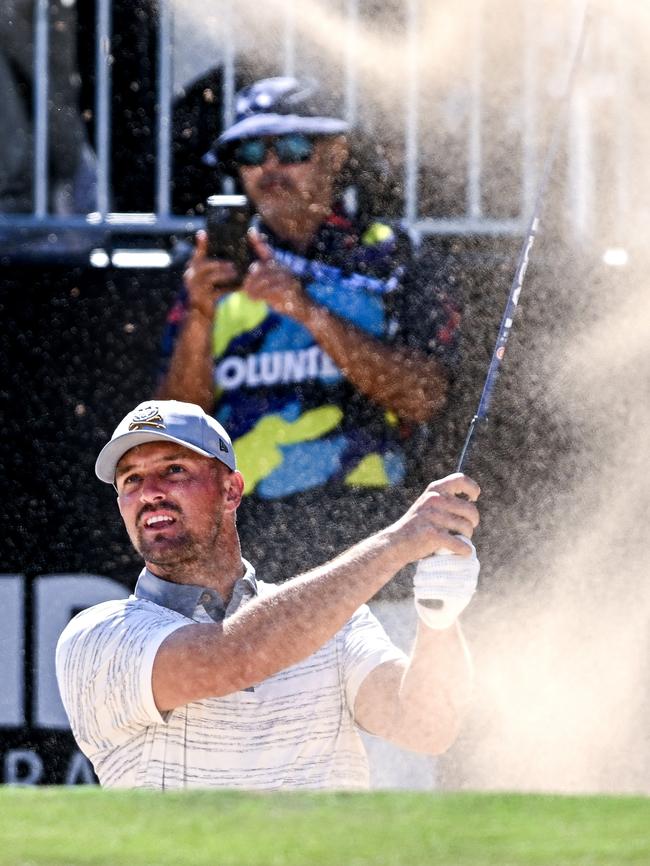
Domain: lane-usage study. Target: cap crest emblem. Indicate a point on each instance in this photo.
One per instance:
(146, 418)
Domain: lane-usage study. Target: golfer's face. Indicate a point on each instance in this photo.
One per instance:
(172, 501)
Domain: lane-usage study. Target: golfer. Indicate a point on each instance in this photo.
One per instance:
(209, 677)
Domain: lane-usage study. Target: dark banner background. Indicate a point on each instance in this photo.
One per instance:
(78, 348)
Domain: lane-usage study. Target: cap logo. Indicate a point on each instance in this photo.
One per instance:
(146, 418)
(223, 446)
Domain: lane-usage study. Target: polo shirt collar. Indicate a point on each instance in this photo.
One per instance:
(184, 598)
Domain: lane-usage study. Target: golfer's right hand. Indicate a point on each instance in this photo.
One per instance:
(206, 279)
(446, 510)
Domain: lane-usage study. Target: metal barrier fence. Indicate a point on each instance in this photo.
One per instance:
(535, 93)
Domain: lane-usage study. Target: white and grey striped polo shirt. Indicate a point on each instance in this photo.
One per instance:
(294, 730)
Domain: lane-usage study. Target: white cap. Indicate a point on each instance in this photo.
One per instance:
(169, 421)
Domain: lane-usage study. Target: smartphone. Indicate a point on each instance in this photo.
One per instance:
(227, 218)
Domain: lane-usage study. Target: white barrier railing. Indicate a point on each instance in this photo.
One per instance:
(472, 217)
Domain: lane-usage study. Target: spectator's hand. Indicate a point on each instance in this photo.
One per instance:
(270, 282)
(206, 279)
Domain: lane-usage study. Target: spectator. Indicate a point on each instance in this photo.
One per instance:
(209, 677)
(71, 161)
(330, 359)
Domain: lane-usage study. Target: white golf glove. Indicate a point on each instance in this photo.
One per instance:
(443, 586)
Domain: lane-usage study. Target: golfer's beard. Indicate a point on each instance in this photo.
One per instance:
(164, 551)
(180, 550)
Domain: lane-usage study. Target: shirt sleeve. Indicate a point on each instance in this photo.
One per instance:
(365, 646)
(104, 663)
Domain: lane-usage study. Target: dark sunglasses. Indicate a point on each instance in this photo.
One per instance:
(289, 149)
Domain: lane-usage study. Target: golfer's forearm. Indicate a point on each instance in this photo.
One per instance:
(275, 631)
(190, 374)
(434, 692)
(410, 384)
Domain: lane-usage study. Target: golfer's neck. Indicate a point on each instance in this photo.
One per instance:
(219, 571)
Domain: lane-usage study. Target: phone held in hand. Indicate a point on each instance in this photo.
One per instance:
(227, 218)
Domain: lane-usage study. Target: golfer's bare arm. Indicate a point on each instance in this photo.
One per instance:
(418, 704)
(274, 632)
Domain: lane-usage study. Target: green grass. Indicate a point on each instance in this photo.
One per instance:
(62, 827)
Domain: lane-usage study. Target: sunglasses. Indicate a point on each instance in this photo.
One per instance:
(289, 149)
